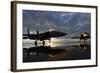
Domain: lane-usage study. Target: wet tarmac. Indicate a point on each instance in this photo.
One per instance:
(48, 53)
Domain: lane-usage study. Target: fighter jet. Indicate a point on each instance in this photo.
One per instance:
(83, 36)
(43, 36)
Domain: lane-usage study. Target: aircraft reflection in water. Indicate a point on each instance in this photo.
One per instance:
(48, 53)
(46, 50)
(43, 36)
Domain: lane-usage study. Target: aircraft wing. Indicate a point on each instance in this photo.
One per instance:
(25, 36)
(44, 36)
(75, 37)
(30, 36)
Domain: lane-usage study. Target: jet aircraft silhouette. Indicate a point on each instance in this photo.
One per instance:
(43, 36)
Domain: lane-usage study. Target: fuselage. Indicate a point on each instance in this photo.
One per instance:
(46, 35)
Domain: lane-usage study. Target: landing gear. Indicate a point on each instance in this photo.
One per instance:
(84, 36)
(43, 43)
(36, 43)
(83, 40)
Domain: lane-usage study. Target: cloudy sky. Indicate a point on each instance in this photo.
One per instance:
(71, 23)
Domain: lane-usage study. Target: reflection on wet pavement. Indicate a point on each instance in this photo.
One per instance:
(48, 53)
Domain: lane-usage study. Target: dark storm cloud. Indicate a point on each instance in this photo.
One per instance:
(70, 22)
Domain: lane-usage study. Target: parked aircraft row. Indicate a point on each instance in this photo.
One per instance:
(51, 34)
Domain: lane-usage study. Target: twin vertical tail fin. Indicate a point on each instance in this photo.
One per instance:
(28, 31)
(37, 32)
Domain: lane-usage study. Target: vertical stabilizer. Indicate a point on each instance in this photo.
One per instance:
(28, 31)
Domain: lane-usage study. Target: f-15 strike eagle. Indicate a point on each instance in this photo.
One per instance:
(43, 36)
(83, 36)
